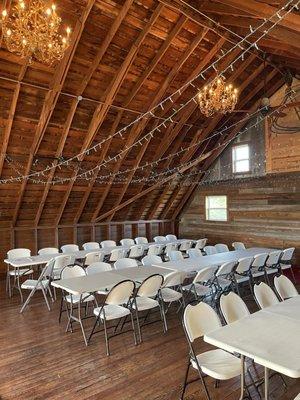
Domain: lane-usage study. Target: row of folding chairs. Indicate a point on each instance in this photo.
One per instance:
(201, 319)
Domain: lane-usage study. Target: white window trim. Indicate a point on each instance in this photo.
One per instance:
(234, 161)
(207, 209)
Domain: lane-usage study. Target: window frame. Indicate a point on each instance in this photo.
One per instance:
(208, 208)
(234, 161)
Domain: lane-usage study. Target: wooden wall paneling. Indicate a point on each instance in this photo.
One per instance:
(65, 235)
(46, 237)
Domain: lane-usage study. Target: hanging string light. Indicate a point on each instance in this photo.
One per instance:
(217, 97)
(32, 31)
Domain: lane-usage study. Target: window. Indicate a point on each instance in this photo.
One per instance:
(240, 158)
(216, 208)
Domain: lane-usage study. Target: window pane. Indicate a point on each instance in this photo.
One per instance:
(217, 214)
(241, 152)
(242, 166)
(217, 202)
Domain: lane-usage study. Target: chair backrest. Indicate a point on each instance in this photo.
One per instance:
(238, 246)
(141, 240)
(108, 243)
(185, 245)
(127, 242)
(150, 286)
(174, 279)
(233, 307)
(273, 258)
(170, 247)
(171, 238)
(97, 267)
(91, 246)
(205, 275)
(125, 263)
(201, 243)
(47, 272)
(72, 272)
(18, 253)
(221, 248)
(94, 256)
(155, 249)
(287, 254)
(226, 268)
(150, 260)
(199, 320)
(116, 254)
(136, 251)
(209, 250)
(175, 255)
(159, 239)
(194, 253)
(285, 287)
(264, 295)
(48, 250)
(244, 264)
(259, 260)
(62, 261)
(69, 248)
(120, 293)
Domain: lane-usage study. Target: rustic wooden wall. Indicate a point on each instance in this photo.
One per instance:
(49, 236)
(262, 212)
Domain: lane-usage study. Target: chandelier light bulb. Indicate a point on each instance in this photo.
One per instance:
(53, 7)
(4, 13)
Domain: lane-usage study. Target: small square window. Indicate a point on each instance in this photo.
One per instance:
(216, 208)
(240, 158)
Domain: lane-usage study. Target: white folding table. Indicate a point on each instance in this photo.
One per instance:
(270, 337)
(196, 264)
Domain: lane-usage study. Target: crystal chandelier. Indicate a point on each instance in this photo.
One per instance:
(32, 31)
(217, 97)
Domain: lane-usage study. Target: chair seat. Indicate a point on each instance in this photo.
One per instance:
(224, 283)
(31, 283)
(145, 303)
(75, 298)
(256, 272)
(20, 272)
(103, 292)
(241, 278)
(218, 364)
(201, 290)
(271, 270)
(286, 266)
(170, 295)
(112, 311)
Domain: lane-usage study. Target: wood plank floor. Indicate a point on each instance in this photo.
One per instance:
(40, 361)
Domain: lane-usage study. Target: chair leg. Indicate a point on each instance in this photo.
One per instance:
(94, 327)
(133, 328)
(19, 287)
(106, 337)
(45, 297)
(163, 316)
(61, 309)
(81, 324)
(138, 324)
(293, 275)
(185, 379)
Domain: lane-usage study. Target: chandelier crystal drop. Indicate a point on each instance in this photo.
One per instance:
(217, 97)
(32, 30)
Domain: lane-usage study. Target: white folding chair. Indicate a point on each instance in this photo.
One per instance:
(233, 307)
(224, 277)
(242, 273)
(194, 253)
(175, 255)
(70, 300)
(69, 248)
(60, 262)
(15, 272)
(155, 250)
(125, 263)
(218, 364)
(137, 251)
(221, 248)
(96, 268)
(238, 246)
(48, 250)
(172, 288)
(159, 239)
(93, 257)
(150, 260)
(127, 242)
(200, 244)
(272, 264)
(185, 245)
(297, 397)
(91, 246)
(286, 261)
(203, 284)
(258, 267)
(42, 283)
(210, 250)
(264, 295)
(148, 297)
(108, 243)
(171, 238)
(141, 240)
(117, 305)
(116, 254)
(285, 287)
(170, 247)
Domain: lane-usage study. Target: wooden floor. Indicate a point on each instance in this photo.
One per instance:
(40, 361)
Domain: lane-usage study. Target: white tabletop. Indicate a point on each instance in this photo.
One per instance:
(270, 338)
(289, 308)
(138, 274)
(196, 264)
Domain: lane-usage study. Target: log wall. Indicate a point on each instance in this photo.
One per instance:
(262, 212)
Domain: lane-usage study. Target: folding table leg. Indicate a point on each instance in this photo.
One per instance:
(243, 394)
(266, 383)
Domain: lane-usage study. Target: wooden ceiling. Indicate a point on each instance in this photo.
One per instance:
(125, 57)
